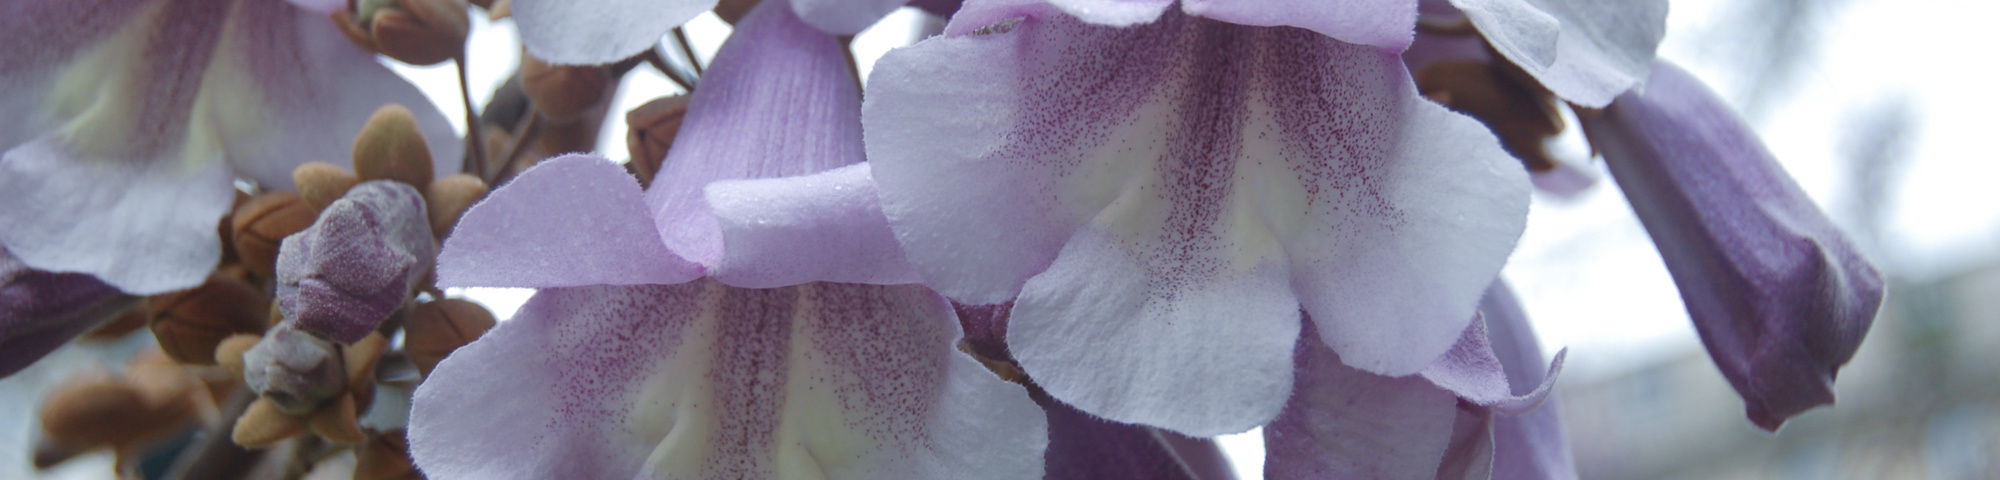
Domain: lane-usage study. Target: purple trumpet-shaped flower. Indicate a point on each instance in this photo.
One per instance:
(128, 121)
(1161, 200)
(40, 311)
(1780, 296)
(357, 263)
(805, 352)
(595, 32)
(1479, 412)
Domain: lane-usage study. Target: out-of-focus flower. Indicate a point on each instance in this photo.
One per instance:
(1780, 296)
(598, 32)
(129, 120)
(1165, 198)
(804, 353)
(42, 310)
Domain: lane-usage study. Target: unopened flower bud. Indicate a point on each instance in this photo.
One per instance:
(1520, 113)
(448, 198)
(733, 10)
(358, 263)
(651, 132)
(562, 93)
(189, 324)
(260, 225)
(437, 328)
(385, 457)
(417, 32)
(321, 183)
(391, 147)
(1780, 296)
(296, 370)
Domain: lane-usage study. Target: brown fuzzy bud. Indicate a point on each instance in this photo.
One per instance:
(417, 32)
(448, 198)
(258, 227)
(391, 147)
(1520, 113)
(733, 10)
(385, 457)
(126, 323)
(98, 409)
(651, 131)
(189, 324)
(321, 183)
(437, 328)
(563, 93)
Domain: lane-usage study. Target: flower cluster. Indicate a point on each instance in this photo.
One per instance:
(1057, 239)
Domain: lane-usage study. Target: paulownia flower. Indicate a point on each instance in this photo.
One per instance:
(596, 32)
(1780, 296)
(128, 121)
(1162, 200)
(804, 353)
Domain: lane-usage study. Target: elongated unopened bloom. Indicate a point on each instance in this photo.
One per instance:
(1780, 296)
(128, 121)
(1164, 199)
(760, 327)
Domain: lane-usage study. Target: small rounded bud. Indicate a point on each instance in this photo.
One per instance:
(258, 227)
(391, 147)
(189, 324)
(1521, 113)
(437, 328)
(297, 371)
(448, 198)
(651, 132)
(562, 93)
(321, 183)
(417, 32)
(733, 10)
(385, 457)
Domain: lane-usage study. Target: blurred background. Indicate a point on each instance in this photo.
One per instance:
(1876, 107)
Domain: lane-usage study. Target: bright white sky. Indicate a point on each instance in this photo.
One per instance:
(1585, 269)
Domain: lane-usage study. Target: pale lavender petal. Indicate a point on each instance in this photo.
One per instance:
(1346, 423)
(145, 225)
(40, 311)
(569, 221)
(1387, 24)
(1113, 13)
(1594, 51)
(596, 32)
(1202, 355)
(358, 262)
(844, 17)
(289, 88)
(793, 230)
(1411, 208)
(701, 380)
(1530, 445)
(1472, 371)
(777, 102)
(1780, 296)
